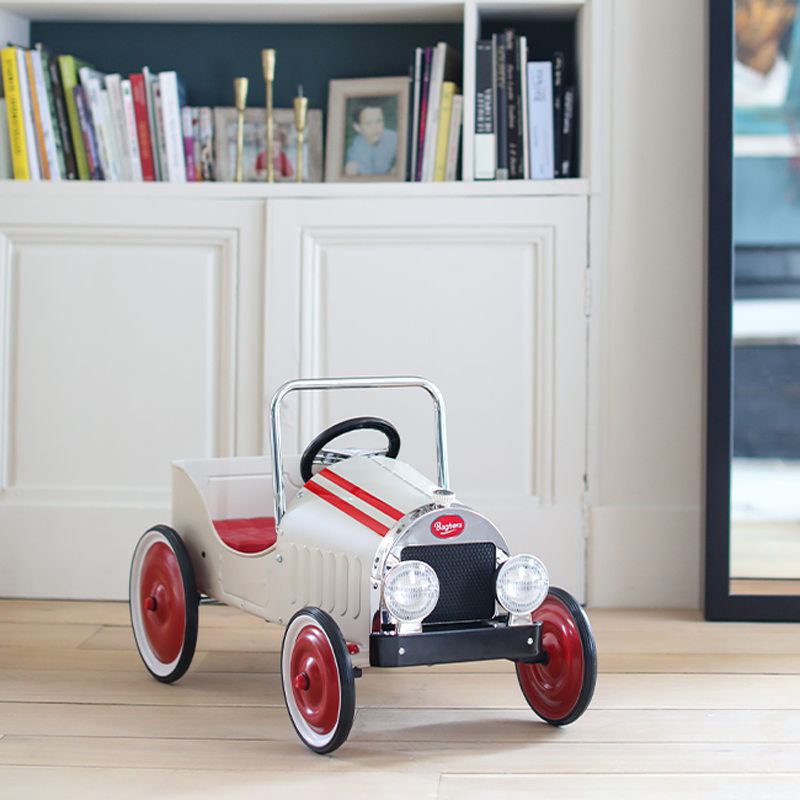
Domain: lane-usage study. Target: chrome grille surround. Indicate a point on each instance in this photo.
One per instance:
(414, 530)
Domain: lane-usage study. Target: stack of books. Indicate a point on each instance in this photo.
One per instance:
(524, 113)
(435, 114)
(67, 121)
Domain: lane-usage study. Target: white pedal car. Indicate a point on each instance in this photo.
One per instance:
(365, 561)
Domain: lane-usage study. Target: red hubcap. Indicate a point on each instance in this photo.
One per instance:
(315, 680)
(554, 688)
(162, 598)
(301, 682)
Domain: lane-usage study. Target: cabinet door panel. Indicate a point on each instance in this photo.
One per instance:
(120, 355)
(485, 298)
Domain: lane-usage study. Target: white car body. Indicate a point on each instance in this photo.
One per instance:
(332, 542)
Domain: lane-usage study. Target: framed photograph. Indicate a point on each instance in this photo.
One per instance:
(766, 67)
(367, 130)
(284, 146)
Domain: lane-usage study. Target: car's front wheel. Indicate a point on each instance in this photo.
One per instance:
(560, 689)
(318, 680)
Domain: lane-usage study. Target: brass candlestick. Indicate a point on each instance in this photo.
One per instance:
(268, 62)
(300, 112)
(240, 88)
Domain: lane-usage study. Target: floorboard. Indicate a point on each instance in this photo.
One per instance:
(683, 708)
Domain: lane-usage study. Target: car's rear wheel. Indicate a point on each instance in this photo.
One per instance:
(163, 603)
(318, 680)
(560, 689)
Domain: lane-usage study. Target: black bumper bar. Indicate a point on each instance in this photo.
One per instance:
(517, 643)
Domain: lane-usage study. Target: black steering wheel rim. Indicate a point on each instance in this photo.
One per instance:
(346, 426)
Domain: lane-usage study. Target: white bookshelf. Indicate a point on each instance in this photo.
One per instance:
(141, 323)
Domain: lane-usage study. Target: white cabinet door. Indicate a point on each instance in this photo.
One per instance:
(129, 337)
(484, 296)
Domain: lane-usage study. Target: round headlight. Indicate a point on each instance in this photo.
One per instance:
(522, 584)
(411, 591)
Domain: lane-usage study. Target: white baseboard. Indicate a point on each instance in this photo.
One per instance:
(87, 558)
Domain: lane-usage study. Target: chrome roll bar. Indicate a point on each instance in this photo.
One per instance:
(313, 384)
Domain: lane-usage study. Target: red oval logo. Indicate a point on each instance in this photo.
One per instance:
(447, 526)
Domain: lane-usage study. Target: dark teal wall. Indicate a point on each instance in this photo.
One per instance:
(209, 56)
(544, 39)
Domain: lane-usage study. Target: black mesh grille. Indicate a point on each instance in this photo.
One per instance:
(466, 579)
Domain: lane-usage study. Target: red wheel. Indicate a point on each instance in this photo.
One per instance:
(560, 689)
(318, 680)
(163, 602)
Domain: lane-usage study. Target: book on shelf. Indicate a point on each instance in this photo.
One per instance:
(173, 98)
(206, 133)
(119, 124)
(61, 115)
(540, 111)
(567, 132)
(423, 110)
(38, 132)
(523, 111)
(131, 132)
(160, 141)
(69, 67)
(150, 83)
(195, 112)
(87, 133)
(513, 105)
(454, 138)
(409, 121)
(6, 159)
(27, 115)
(558, 109)
(500, 105)
(16, 119)
(198, 146)
(449, 90)
(188, 143)
(47, 137)
(115, 158)
(139, 95)
(485, 141)
(416, 93)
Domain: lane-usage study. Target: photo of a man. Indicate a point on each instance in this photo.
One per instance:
(371, 142)
(761, 70)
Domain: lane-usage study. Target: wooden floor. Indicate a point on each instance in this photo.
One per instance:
(683, 709)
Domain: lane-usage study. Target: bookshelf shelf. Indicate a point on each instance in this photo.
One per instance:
(571, 187)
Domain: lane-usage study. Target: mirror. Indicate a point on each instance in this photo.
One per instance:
(753, 417)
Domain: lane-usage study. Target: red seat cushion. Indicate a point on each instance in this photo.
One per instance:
(247, 535)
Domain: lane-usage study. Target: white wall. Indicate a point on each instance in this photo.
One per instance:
(14, 29)
(645, 539)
